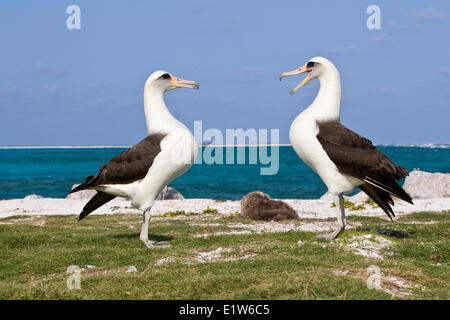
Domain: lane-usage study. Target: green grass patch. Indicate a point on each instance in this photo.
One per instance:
(210, 210)
(350, 205)
(36, 252)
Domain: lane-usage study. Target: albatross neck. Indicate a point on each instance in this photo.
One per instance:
(327, 104)
(158, 117)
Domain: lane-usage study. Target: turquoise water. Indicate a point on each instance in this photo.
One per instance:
(52, 172)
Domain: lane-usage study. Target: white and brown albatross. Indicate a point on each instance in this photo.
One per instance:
(141, 172)
(342, 158)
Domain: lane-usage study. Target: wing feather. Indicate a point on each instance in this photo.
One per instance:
(356, 156)
(128, 166)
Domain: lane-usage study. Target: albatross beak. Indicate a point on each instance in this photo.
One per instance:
(300, 70)
(180, 83)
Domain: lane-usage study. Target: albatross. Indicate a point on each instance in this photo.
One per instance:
(342, 158)
(141, 172)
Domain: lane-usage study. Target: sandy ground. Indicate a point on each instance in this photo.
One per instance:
(319, 209)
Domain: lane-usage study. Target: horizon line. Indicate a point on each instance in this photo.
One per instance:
(430, 144)
(129, 146)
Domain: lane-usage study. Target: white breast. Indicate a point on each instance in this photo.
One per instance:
(178, 153)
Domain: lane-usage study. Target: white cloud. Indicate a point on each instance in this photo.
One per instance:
(428, 15)
(41, 68)
(417, 19)
(445, 71)
(230, 24)
(383, 91)
(53, 90)
(382, 39)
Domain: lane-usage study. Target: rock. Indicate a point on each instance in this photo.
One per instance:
(163, 194)
(33, 196)
(359, 197)
(419, 185)
(169, 193)
(131, 269)
(81, 195)
(426, 185)
(259, 206)
(174, 194)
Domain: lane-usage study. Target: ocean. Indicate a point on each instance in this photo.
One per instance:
(51, 172)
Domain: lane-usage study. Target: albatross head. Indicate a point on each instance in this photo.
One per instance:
(166, 81)
(316, 68)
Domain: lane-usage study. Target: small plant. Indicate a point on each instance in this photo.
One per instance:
(209, 210)
(349, 205)
(187, 214)
(372, 203)
(184, 213)
(114, 208)
(172, 213)
(358, 207)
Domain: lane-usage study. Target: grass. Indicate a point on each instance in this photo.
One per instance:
(210, 210)
(35, 254)
(350, 205)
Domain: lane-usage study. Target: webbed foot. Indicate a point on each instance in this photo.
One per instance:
(330, 236)
(156, 244)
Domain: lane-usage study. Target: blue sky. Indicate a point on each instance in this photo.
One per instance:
(84, 87)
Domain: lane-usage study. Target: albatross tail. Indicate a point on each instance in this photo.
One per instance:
(96, 202)
(383, 198)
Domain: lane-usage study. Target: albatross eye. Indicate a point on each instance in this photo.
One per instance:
(310, 64)
(165, 76)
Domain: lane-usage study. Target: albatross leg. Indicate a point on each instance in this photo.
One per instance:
(144, 234)
(339, 201)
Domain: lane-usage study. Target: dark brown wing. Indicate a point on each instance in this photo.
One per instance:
(129, 166)
(356, 156)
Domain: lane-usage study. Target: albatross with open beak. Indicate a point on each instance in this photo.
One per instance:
(141, 172)
(342, 158)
